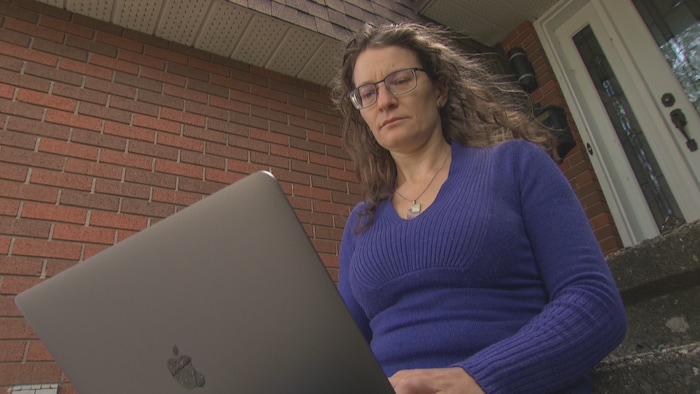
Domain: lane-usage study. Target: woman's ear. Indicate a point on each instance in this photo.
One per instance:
(441, 95)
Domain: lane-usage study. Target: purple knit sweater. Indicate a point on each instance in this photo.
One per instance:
(501, 276)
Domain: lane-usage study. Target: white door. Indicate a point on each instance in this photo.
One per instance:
(630, 72)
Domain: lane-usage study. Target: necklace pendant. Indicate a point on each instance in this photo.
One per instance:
(413, 210)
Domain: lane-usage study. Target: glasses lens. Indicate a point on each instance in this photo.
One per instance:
(401, 82)
(365, 95)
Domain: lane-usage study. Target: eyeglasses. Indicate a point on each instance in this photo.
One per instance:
(397, 83)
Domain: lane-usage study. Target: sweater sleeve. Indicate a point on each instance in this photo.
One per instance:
(584, 319)
(347, 247)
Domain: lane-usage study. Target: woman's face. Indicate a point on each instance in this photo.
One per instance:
(403, 123)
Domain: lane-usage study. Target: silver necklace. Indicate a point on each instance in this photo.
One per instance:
(414, 208)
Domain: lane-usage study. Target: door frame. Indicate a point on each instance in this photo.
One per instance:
(627, 205)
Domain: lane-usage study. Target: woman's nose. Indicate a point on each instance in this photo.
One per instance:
(385, 99)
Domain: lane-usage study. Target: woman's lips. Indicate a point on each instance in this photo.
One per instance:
(390, 121)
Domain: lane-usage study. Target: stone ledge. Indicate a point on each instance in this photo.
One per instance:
(672, 370)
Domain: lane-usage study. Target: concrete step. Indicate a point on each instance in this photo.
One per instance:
(659, 280)
(673, 370)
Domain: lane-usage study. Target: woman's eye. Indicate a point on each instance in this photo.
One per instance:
(367, 94)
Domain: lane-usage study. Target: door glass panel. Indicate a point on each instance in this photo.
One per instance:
(649, 176)
(675, 25)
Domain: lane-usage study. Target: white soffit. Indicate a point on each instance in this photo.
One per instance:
(225, 29)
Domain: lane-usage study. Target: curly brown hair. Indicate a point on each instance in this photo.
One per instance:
(482, 109)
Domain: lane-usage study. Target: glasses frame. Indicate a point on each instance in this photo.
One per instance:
(352, 95)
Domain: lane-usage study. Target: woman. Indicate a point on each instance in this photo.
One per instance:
(470, 265)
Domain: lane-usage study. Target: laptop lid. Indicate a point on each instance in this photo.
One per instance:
(226, 296)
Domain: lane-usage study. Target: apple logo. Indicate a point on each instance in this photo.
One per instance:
(184, 372)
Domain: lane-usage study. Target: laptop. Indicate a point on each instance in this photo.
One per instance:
(226, 296)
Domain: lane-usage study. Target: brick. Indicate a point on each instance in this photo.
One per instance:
(125, 159)
(18, 140)
(164, 54)
(13, 285)
(183, 117)
(56, 213)
(8, 307)
(28, 54)
(129, 132)
(133, 106)
(116, 188)
(11, 265)
(23, 191)
(12, 351)
(141, 60)
(137, 82)
(15, 329)
(152, 150)
(297, 155)
(30, 158)
(145, 208)
(180, 142)
(12, 374)
(187, 170)
(175, 197)
(9, 207)
(233, 105)
(24, 227)
(99, 112)
(207, 111)
(87, 140)
(102, 86)
(80, 199)
(173, 88)
(99, 170)
(157, 124)
(63, 51)
(328, 161)
(163, 76)
(265, 135)
(204, 134)
(80, 94)
(62, 180)
(34, 30)
(292, 131)
(214, 175)
(69, 119)
(55, 267)
(38, 352)
(6, 91)
(309, 192)
(272, 161)
(36, 248)
(92, 69)
(198, 186)
(4, 245)
(249, 144)
(150, 178)
(46, 100)
(91, 46)
(68, 232)
(68, 149)
(14, 108)
(211, 89)
(161, 100)
(117, 221)
(64, 25)
(118, 41)
(202, 160)
(13, 173)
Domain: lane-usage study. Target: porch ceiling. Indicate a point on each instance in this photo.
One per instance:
(272, 35)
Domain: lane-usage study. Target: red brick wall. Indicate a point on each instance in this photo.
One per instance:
(104, 131)
(576, 166)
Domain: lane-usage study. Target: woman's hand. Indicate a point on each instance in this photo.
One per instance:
(434, 381)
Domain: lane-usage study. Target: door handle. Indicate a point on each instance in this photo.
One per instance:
(679, 120)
